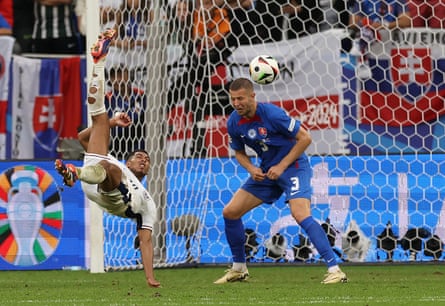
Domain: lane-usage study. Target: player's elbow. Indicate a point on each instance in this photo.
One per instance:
(305, 139)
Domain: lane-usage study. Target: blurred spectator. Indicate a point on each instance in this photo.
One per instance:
(428, 14)
(301, 16)
(180, 27)
(333, 14)
(243, 20)
(131, 22)
(7, 11)
(5, 28)
(80, 11)
(23, 24)
(370, 17)
(378, 14)
(270, 26)
(304, 18)
(108, 12)
(180, 30)
(81, 23)
(211, 26)
(209, 31)
(124, 97)
(55, 28)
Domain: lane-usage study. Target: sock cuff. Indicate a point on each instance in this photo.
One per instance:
(307, 222)
(99, 71)
(94, 111)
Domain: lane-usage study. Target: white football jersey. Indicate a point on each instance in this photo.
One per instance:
(115, 202)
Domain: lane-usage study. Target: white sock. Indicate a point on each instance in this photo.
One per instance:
(333, 269)
(239, 266)
(96, 104)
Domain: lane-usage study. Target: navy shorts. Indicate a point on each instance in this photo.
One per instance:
(294, 183)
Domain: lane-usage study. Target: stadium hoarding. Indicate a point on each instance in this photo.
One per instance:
(43, 227)
(405, 190)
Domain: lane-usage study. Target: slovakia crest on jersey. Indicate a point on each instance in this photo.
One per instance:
(411, 72)
(262, 131)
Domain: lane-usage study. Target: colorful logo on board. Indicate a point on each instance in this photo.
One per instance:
(31, 215)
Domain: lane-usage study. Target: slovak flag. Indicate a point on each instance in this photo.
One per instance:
(45, 104)
(405, 90)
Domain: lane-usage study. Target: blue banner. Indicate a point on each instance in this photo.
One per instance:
(405, 191)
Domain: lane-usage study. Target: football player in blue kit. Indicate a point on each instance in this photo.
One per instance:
(280, 142)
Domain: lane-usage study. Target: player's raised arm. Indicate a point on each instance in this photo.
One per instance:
(119, 119)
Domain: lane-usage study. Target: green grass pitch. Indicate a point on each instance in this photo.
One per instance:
(384, 284)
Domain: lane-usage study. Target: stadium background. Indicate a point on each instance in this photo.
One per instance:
(382, 166)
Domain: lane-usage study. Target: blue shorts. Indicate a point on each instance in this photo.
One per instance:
(294, 183)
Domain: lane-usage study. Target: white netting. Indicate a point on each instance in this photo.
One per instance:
(372, 100)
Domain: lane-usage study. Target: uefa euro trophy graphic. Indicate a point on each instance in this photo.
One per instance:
(25, 213)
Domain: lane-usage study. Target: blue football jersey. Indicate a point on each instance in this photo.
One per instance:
(270, 133)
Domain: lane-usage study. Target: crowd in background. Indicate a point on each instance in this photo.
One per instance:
(58, 26)
(206, 31)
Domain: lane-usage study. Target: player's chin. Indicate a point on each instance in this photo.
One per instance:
(240, 112)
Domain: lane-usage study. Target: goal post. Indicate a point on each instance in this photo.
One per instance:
(93, 212)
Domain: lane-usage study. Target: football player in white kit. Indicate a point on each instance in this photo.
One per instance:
(115, 187)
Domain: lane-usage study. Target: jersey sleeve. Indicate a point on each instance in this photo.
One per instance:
(283, 122)
(235, 140)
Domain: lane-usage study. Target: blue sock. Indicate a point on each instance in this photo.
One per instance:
(319, 239)
(236, 238)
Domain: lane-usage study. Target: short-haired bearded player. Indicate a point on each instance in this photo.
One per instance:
(280, 141)
(115, 187)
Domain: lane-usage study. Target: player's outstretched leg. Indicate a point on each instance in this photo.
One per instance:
(93, 174)
(67, 171)
(99, 51)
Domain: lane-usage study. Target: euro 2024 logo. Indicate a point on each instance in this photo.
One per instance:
(31, 215)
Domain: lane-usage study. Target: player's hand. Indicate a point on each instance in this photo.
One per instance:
(153, 283)
(258, 175)
(121, 120)
(274, 172)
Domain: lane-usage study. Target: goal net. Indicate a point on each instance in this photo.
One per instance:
(372, 101)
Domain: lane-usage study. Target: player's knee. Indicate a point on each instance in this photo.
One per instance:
(230, 213)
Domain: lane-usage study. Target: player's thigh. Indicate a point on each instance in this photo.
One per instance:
(113, 178)
(241, 202)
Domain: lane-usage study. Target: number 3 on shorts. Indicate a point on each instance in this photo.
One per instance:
(295, 185)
